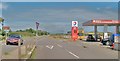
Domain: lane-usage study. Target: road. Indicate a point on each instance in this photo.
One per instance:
(50, 48)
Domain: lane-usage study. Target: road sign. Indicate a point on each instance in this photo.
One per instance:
(74, 23)
(6, 28)
(7, 31)
(37, 25)
(74, 33)
(74, 30)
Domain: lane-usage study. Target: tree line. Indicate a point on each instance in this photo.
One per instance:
(27, 32)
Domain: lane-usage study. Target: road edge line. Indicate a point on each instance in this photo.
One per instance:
(30, 53)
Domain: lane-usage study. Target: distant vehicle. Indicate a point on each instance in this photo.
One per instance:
(106, 39)
(14, 39)
(90, 38)
(109, 40)
(99, 38)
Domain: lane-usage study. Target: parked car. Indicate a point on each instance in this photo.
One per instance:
(99, 38)
(105, 40)
(14, 39)
(90, 38)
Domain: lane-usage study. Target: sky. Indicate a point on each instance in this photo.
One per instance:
(56, 17)
(60, 0)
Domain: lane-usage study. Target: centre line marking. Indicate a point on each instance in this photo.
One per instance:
(74, 54)
(59, 45)
(50, 47)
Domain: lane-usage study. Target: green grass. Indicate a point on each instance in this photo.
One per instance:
(6, 53)
(23, 55)
(24, 34)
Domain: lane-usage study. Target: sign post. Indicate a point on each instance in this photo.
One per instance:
(37, 26)
(6, 29)
(74, 30)
(19, 50)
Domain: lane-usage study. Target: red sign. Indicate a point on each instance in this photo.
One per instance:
(74, 33)
(106, 21)
(6, 27)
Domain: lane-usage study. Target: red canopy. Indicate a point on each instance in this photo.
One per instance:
(102, 22)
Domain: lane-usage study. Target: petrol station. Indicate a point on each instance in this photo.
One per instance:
(104, 23)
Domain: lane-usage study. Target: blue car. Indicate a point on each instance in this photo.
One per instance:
(14, 39)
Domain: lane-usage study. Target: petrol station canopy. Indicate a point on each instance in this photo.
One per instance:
(102, 23)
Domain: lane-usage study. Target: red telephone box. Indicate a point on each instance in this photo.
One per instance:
(74, 33)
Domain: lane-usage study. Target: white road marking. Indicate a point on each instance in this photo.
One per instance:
(29, 53)
(69, 52)
(72, 54)
(50, 47)
(59, 45)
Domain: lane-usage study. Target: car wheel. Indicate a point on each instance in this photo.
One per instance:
(21, 43)
(7, 43)
(104, 43)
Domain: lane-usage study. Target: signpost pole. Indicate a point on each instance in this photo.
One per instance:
(19, 50)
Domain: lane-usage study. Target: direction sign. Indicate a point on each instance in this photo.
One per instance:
(37, 25)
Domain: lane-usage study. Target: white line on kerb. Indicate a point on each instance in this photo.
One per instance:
(59, 45)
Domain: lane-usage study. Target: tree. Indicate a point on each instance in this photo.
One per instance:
(3, 33)
(1, 19)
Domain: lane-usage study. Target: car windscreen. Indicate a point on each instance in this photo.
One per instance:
(14, 36)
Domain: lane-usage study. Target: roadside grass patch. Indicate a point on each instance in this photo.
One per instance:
(6, 53)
